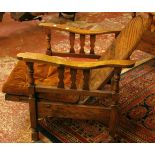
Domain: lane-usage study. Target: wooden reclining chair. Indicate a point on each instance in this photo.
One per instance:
(44, 78)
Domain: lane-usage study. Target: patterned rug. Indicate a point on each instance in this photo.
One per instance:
(137, 100)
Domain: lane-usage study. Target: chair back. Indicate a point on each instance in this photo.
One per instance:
(121, 49)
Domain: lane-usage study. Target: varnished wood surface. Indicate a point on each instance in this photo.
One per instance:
(46, 89)
(69, 28)
(121, 49)
(73, 111)
(76, 55)
(32, 101)
(37, 57)
(17, 98)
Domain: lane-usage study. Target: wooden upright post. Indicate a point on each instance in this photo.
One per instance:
(114, 115)
(32, 102)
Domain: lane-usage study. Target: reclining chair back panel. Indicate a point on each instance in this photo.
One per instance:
(121, 48)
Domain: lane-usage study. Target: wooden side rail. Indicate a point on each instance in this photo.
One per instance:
(42, 58)
(49, 89)
(68, 28)
(73, 111)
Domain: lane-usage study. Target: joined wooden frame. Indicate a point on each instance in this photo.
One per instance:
(40, 109)
(96, 75)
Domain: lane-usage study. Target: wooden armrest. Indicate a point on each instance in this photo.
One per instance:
(68, 28)
(37, 57)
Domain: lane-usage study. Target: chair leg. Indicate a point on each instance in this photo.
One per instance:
(34, 135)
(114, 115)
(33, 119)
(113, 124)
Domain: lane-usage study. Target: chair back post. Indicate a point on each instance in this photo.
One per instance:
(32, 101)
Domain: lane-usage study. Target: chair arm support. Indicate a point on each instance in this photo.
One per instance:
(42, 58)
(68, 28)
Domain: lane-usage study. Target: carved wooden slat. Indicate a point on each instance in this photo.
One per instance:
(82, 43)
(48, 39)
(72, 39)
(86, 74)
(73, 73)
(61, 70)
(92, 43)
(32, 101)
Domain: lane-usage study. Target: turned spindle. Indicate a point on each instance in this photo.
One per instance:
(82, 43)
(72, 40)
(86, 74)
(92, 43)
(73, 73)
(61, 70)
